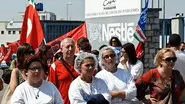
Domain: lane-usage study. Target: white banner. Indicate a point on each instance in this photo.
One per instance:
(107, 18)
(109, 8)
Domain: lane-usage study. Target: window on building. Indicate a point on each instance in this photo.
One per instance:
(9, 32)
(43, 18)
(19, 32)
(2, 32)
(14, 32)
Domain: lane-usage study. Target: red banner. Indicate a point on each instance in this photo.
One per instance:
(76, 33)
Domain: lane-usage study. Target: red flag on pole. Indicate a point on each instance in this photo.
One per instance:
(31, 29)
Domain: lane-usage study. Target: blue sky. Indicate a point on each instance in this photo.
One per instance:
(9, 8)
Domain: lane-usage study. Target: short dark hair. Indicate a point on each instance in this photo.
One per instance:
(28, 60)
(58, 55)
(83, 44)
(95, 52)
(42, 52)
(24, 49)
(174, 40)
(81, 41)
(102, 46)
(117, 41)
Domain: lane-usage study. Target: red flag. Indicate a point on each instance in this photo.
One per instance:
(31, 29)
(13, 46)
(2, 52)
(5, 53)
(76, 33)
(139, 50)
(8, 55)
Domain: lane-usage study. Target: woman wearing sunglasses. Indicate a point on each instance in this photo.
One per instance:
(120, 82)
(165, 84)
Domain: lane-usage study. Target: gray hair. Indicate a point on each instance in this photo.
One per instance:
(101, 61)
(79, 59)
(62, 41)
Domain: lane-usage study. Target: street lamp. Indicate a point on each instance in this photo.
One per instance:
(68, 3)
(163, 32)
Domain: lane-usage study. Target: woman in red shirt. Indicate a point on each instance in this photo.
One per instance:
(162, 80)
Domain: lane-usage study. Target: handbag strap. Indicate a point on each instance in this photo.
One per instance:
(67, 68)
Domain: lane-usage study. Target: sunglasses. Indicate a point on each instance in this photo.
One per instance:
(170, 59)
(107, 56)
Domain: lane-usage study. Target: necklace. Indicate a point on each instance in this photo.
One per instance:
(37, 94)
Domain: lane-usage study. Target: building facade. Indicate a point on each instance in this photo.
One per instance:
(9, 31)
(43, 15)
(54, 29)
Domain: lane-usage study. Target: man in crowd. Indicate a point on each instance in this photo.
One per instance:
(182, 47)
(175, 42)
(62, 71)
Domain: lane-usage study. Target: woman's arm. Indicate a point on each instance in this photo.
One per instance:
(13, 80)
(142, 84)
(1, 84)
(118, 94)
(123, 61)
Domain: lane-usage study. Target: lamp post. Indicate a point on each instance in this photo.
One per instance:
(68, 3)
(163, 32)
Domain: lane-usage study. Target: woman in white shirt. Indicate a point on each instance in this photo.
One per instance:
(130, 62)
(87, 89)
(35, 90)
(120, 82)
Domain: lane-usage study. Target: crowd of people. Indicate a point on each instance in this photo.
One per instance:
(111, 75)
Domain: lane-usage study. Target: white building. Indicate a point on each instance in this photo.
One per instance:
(43, 15)
(10, 30)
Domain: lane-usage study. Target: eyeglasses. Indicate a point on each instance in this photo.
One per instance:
(170, 59)
(107, 56)
(34, 69)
